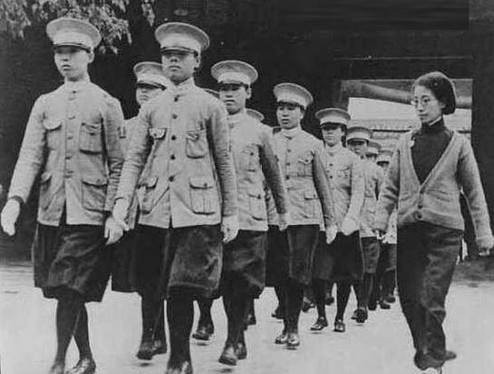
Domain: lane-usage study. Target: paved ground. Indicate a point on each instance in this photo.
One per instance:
(27, 340)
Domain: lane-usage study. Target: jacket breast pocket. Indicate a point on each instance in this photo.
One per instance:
(203, 195)
(304, 165)
(311, 201)
(94, 192)
(250, 158)
(196, 143)
(146, 193)
(257, 205)
(45, 194)
(53, 133)
(91, 137)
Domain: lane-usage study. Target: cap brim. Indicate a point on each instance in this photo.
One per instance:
(177, 49)
(74, 45)
(149, 83)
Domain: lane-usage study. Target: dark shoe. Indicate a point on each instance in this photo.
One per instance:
(203, 332)
(241, 351)
(307, 304)
(281, 339)
(321, 323)
(424, 361)
(293, 340)
(278, 313)
(449, 355)
(384, 305)
(354, 315)
(84, 366)
(57, 368)
(390, 298)
(361, 315)
(159, 346)
(183, 368)
(339, 326)
(251, 319)
(146, 350)
(372, 305)
(228, 356)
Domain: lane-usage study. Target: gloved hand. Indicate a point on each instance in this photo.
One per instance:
(331, 232)
(229, 228)
(348, 226)
(120, 210)
(283, 221)
(9, 216)
(113, 231)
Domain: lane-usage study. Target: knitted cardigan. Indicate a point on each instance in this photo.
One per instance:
(437, 199)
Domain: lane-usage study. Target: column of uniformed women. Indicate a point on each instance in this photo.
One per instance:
(199, 199)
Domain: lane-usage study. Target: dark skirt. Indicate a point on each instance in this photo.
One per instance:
(245, 258)
(123, 266)
(178, 258)
(291, 254)
(340, 261)
(371, 250)
(277, 255)
(71, 257)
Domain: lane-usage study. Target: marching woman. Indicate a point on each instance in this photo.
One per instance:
(180, 154)
(133, 269)
(340, 262)
(310, 204)
(244, 259)
(424, 179)
(71, 140)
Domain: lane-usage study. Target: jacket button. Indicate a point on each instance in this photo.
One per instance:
(288, 150)
(420, 206)
(70, 136)
(174, 116)
(287, 177)
(172, 157)
(418, 215)
(171, 179)
(287, 164)
(175, 98)
(174, 137)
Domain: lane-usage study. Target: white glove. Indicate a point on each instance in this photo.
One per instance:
(331, 232)
(348, 226)
(283, 221)
(9, 216)
(229, 228)
(120, 210)
(113, 231)
(485, 244)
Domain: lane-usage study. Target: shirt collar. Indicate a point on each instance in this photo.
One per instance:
(335, 149)
(433, 127)
(183, 87)
(291, 133)
(78, 85)
(236, 118)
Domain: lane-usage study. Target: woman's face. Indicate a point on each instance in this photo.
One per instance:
(427, 107)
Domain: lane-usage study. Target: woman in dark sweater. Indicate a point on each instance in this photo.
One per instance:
(425, 177)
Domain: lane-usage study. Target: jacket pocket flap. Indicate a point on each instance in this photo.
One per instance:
(256, 194)
(52, 124)
(45, 177)
(308, 194)
(201, 182)
(194, 135)
(157, 132)
(94, 181)
(92, 128)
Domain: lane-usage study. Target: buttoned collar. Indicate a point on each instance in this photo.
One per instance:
(78, 85)
(235, 119)
(335, 149)
(291, 133)
(183, 87)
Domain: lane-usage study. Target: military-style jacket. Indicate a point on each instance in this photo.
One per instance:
(299, 155)
(374, 176)
(180, 156)
(256, 168)
(72, 139)
(346, 178)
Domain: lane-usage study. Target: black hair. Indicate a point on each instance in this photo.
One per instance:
(442, 88)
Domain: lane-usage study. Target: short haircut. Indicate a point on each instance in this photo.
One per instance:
(442, 88)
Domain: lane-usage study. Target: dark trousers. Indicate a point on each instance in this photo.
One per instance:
(426, 262)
